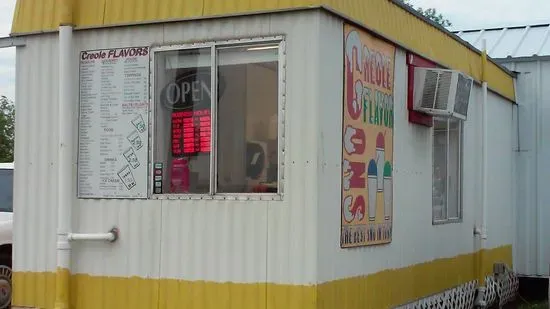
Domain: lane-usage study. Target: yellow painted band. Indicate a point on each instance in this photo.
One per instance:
(381, 290)
(62, 279)
(66, 13)
(484, 66)
(382, 16)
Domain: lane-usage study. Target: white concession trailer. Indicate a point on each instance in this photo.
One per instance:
(256, 155)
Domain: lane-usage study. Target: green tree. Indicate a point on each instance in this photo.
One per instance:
(432, 14)
(7, 129)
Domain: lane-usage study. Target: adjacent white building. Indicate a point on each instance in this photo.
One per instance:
(525, 50)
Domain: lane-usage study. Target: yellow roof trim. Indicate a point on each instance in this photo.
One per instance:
(382, 16)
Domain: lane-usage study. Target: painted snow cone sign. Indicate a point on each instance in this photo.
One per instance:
(367, 140)
(388, 186)
(372, 184)
(380, 161)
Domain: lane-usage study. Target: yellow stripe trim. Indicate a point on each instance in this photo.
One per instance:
(382, 16)
(66, 14)
(381, 290)
(62, 281)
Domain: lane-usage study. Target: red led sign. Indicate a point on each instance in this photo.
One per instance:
(191, 132)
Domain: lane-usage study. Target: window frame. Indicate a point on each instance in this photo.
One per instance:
(460, 168)
(281, 104)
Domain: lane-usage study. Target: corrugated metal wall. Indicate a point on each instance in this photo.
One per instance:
(532, 248)
(415, 239)
(295, 241)
(35, 196)
(501, 186)
(217, 241)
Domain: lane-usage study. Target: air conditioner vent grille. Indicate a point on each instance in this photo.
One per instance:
(462, 95)
(443, 90)
(430, 86)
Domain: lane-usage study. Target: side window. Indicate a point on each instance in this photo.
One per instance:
(220, 139)
(6, 190)
(247, 120)
(182, 123)
(447, 171)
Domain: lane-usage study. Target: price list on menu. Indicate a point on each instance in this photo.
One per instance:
(113, 123)
(191, 132)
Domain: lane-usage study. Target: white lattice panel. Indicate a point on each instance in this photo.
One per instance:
(491, 291)
(500, 289)
(507, 287)
(461, 297)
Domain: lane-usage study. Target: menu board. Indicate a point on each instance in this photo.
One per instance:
(113, 123)
(191, 132)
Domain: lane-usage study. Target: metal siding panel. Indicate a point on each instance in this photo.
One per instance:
(416, 239)
(90, 12)
(35, 196)
(137, 251)
(36, 154)
(280, 242)
(214, 7)
(117, 12)
(287, 260)
(287, 255)
(420, 254)
(411, 207)
(525, 245)
(544, 167)
(216, 241)
(500, 151)
(292, 228)
(330, 79)
(33, 17)
(202, 30)
(390, 268)
(532, 254)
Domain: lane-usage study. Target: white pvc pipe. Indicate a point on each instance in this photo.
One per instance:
(65, 147)
(484, 169)
(482, 232)
(100, 236)
(484, 177)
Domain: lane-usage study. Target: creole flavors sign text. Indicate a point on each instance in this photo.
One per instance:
(367, 141)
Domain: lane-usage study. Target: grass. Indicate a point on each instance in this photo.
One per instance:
(543, 305)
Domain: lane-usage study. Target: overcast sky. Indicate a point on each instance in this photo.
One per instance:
(467, 14)
(464, 14)
(7, 55)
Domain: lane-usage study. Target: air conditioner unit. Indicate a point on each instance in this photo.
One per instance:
(442, 93)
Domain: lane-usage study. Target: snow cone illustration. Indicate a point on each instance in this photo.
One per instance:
(371, 187)
(388, 199)
(348, 215)
(380, 159)
(354, 211)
